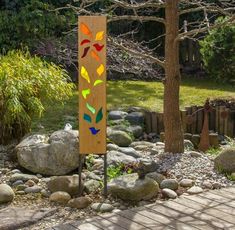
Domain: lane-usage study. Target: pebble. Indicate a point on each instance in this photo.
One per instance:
(18, 182)
(195, 154)
(169, 193)
(216, 185)
(45, 193)
(60, 197)
(207, 184)
(20, 192)
(30, 183)
(21, 187)
(195, 190)
(80, 202)
(186, 183)
(33, 189)
(23, 177)
(102, 207)
(169, 183)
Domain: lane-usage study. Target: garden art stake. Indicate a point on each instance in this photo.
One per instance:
(92, 89)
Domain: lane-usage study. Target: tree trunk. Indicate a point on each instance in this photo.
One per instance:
(174, 141)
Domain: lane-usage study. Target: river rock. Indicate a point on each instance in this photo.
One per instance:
(147, 165)
(102, 207)
(67, 184)
(60, 197)
(116, 158)
(156, 176)
(116, 115)
(194, 154)
(54, 155)
(136, 130)
(225, 161)
(120, 138)
(142, 143)
(23, 177)
(34, 189)
(169, 183)
(6, 193)
(130, 187)
(129, 151)
(186, 183)
(169, 193)
(135, 118)
(195, 190)
(80, 202)
(91, 186)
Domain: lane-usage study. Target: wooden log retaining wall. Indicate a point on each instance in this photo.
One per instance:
(221, 120)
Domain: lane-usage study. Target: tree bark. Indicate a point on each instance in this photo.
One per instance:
(172, 121)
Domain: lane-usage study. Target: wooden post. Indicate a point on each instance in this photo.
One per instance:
(160, 122)
(148, 122)
(154, 122)
(199, 119)
(194, 124)
(92, 84)
(183, 118)
(188, 112)
(205, 141)
(217, 119)
(92, 90)
(231, 123)
(221, 119)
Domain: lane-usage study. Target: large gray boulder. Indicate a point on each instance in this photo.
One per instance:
(225, 161)
(6, 193)
(130, 187)
(120, 138)
(54, 155)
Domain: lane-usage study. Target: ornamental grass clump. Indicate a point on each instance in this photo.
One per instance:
(27, 83)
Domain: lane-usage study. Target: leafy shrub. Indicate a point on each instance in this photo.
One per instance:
(218, 52)
(26, 84)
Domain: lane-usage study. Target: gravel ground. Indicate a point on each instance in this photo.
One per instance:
(180, 166)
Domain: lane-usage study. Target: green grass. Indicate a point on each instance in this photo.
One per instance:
(135, 93)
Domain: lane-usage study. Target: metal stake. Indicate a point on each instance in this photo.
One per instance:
(105, 176)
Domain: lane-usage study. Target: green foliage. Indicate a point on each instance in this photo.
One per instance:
(89, 162)
(115, 171)
(121, 169)
(26, 23)
(213, 151)
(218, 52)
(26, 85)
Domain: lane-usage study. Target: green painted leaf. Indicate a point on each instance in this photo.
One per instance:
(87, 118)
(99, 115)
(90, 108)
(86, 92)
(98, 82)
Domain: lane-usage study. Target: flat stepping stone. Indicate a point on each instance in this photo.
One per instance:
(13, 218)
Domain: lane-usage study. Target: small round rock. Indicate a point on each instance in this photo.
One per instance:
(195, 190)
(80, 202)
(102, 207)
(30, 183)
(186, 183)
(169, 183)
(169, 193)
(60, 197)
(6, 193)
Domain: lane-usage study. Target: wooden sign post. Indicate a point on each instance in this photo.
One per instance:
(92, 88)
